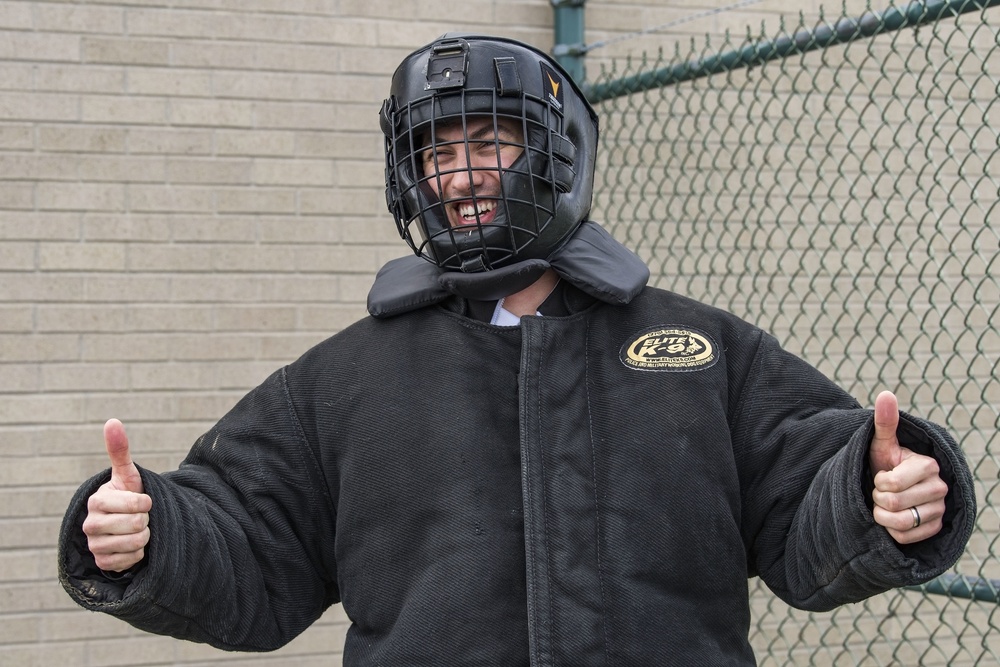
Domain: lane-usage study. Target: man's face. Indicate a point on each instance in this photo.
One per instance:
(459, 168)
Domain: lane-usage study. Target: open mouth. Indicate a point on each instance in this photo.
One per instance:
(469, 212)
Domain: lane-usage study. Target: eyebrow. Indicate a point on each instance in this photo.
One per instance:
(484, 133)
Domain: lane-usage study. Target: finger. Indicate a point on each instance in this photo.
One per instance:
(118, 562)
(912, 470)
(108, 500)
(124, 474)
(885, 453)
(98, 524)
(903, 527)
(929, 492)
(117, 554)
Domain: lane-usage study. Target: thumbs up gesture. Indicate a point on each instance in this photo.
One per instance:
(909, 492)
(117, 523)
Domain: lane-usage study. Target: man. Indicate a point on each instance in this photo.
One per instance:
(525, 456)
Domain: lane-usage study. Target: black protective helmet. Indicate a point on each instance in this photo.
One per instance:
(543, 195)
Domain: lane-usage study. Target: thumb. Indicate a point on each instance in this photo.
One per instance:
(885, 452)
(124, 474)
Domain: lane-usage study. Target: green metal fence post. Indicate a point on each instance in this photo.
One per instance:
(569, 45)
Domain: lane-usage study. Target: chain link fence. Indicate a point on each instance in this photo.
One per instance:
(839, 185)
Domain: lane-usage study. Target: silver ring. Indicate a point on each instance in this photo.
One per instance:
(916, 517)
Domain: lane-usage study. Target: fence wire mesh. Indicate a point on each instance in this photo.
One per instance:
(844, 198)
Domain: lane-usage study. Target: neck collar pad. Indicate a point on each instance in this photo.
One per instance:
(591, 260)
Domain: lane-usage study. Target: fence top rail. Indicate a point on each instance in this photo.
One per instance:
(843, 31)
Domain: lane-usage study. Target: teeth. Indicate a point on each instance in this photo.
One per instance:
(468, 211)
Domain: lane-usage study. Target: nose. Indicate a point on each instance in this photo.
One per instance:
(466, 177)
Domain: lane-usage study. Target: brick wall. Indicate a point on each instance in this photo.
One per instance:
(190, 196)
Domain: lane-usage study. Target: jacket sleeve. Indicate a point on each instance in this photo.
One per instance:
(241, 536)
(808, 522)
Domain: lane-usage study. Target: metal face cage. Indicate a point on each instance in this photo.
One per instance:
(469, 136)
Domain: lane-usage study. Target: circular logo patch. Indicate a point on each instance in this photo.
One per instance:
(670, 349)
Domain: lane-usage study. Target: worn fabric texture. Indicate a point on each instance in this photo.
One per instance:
(576, 490)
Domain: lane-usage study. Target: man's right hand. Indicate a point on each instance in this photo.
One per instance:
(117, 523)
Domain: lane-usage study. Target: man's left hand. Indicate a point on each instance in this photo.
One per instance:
(909, 492)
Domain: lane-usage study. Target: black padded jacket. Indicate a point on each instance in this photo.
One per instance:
(592, 489)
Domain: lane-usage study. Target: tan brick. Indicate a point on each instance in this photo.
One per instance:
(299, 289)
(81, 78)
(255, 318)
(40, 47)
(21, 565)
(83, 626)
(17, 256)
(292, 172)
(342, 201)
(210, 171)
(39, 106)
(125, 51)
(165, 319)
(130, 407)
(38, 287)
(255, 143)
(17, 76)
(526, 13)
(85, 377)
(331, 318)
(131, 652)
(235, 376)
(31, 532)
(81, 196)
(297, 58)
(37, 226)
(172, 82)
(120, 169)
(225, 289)
(255, 200)
(81, 256)
(213, 229)
(298, 230)
(289, 347)
(80, 18)
(73, 318)
(254, 258)
(126, 289)
(213, 55)
(171, 141)
(302, 116)
(16, 15)
(20, 378)
(40, 655)
(37, 167)
(165, 376)
(175, 199)
(360, 174)
(261, 85)
(160, 22)
(340, 144)
(17, 318)
(177, 258)
(206, 407)
(16, 137)
(118, 227)
(379, 62)
(355, 288)
(378, 228)
(124, 110)
(77, 138)
(341, 259)
(17, 196)
(35, 409)
(212, 113)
